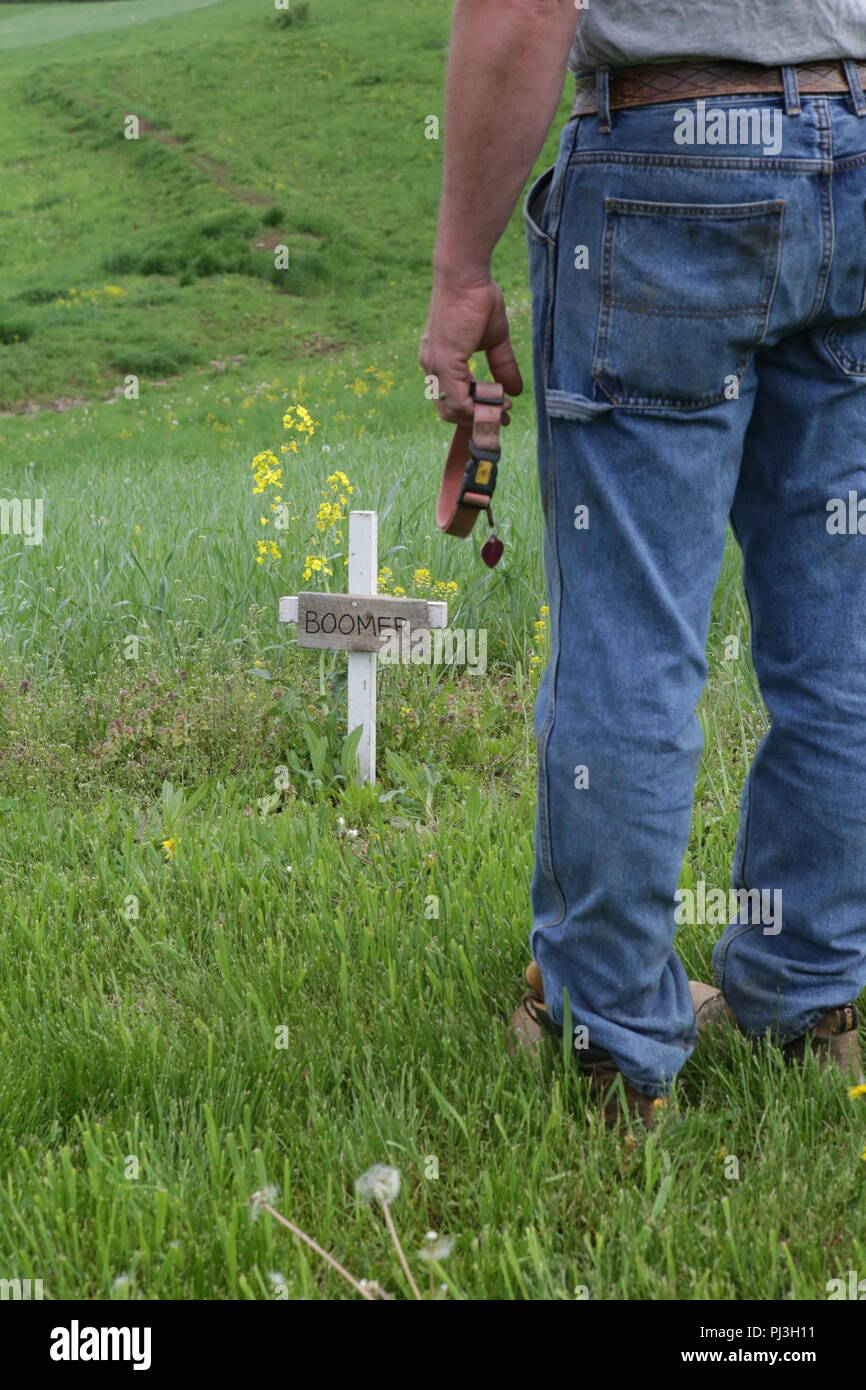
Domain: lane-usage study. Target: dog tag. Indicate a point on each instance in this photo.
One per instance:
(491, 551)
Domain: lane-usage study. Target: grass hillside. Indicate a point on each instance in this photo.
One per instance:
(208, 984)
(253, 134)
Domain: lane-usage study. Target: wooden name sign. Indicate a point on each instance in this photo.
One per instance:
(357, 622)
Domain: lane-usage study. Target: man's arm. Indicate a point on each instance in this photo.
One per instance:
(505, 73)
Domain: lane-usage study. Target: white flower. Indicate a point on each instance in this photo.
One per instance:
(258, 1199)
(436, 1247)
(379, 1184)
(375, 1289)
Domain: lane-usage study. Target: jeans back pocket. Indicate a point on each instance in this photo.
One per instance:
(686, 293)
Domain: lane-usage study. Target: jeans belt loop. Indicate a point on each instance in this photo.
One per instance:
(855, 86)
(602, 99)
(792, 92)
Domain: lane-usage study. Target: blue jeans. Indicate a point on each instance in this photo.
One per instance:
(699, 319)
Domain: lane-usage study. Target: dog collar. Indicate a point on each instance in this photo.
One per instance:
(469, 479)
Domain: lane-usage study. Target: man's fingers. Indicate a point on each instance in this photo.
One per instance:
(457, 406)
(503, 367)
(457, 410)
(452, 398)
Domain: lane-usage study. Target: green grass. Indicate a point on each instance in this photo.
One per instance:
(143, 997)
(27, 24)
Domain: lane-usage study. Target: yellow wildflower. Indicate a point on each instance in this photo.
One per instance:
(339, 480)
(300, 420)
(316, 564)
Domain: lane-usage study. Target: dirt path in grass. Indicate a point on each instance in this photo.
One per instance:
(213, 168)
(62, 23)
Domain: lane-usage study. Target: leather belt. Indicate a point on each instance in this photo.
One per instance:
(655, 82)
(470, 469)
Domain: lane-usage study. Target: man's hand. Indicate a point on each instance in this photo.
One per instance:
(463, 320)
(505, 73)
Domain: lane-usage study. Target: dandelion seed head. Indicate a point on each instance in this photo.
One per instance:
(436, 1247)
(375, 1288)
(264, 1195)
(379, 1184)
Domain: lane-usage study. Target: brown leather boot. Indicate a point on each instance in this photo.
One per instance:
(710, 1006)
(531, 1022)
(834, 1041)
(620, 1101)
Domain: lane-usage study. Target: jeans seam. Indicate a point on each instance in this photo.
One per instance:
(548, 501)
(837, 350)
(545, 844)
(738, 868)
(825, 211)
(724, 310)
(556, 204)
(756, 164)
(848, 364)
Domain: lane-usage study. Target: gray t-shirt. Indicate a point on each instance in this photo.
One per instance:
(620, 33)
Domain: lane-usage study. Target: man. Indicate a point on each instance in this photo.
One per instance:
(698, 267)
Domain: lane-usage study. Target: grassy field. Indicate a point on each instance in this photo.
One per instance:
(207, 987)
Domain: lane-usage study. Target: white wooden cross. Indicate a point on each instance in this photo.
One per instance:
(358, 623)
